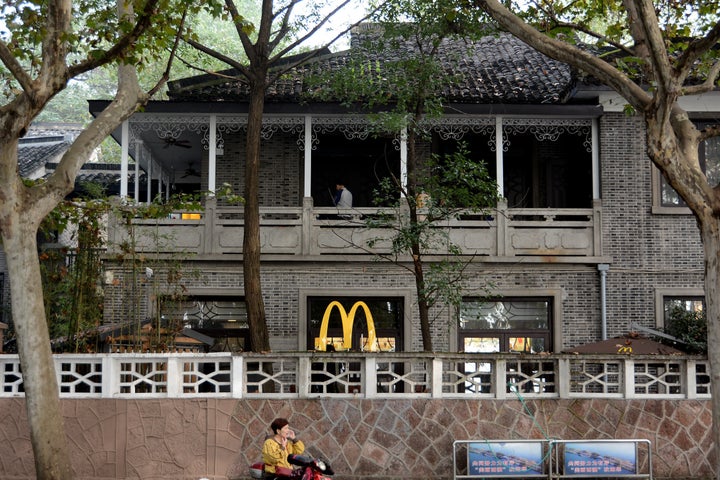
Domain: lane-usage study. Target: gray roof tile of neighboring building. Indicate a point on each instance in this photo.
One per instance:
(40, 152)
(495, 69)
(35, 152)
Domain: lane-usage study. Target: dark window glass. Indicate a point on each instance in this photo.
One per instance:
(223, 319)
(550, 173)
(689, 303)
(506, 325)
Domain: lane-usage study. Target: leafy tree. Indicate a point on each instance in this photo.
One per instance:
(72, 302)
(690, 327)
(267, 45)
(406, 84)
(661, 52)
(43, 46)
(455, 185)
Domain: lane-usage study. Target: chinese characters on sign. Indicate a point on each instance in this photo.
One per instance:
(596, 458)
(505, 458)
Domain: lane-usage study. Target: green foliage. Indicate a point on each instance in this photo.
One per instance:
(690, 327)
(606, 25)
(456, 185)
(95, 29)
(72, 276)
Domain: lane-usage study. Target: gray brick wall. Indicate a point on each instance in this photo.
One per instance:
(280, 169)
(648, 250)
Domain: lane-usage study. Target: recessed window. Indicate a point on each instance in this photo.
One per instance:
(368, 324)
(688, 304)
(521, 325)
(222, 319)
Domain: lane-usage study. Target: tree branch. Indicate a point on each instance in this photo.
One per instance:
(564, 52)
(244, 38)
(708, 85)
(173, 52)
(143, 22)
(54, 48)
(645, 31)
(17, 71)
(219, 56)
(125, 103)
(694, 51)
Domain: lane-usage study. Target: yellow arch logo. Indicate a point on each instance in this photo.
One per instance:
(348, 318)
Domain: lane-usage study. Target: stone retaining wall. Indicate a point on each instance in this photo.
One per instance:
(363, 439)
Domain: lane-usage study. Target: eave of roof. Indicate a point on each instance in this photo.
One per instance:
(588, 109)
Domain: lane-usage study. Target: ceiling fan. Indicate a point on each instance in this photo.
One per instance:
(190, 171)
(171, 141)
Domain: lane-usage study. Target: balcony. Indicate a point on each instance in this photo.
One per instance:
(371, 376)
(563, 235)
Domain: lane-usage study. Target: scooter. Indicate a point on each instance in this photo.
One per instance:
(310, 469)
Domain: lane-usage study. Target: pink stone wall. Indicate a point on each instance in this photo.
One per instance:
(362, 439)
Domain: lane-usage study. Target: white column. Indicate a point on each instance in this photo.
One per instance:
(149, 180)
(124, 145)
(499, 156)
(138, 152)
(212, 153)
(595, 159)
(307, 187)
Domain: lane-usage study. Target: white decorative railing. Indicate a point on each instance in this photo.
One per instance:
(385, 375)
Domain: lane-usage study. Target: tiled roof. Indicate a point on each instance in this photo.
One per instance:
(103, 174)
(40, 151)
(35, 152)
(495, 69)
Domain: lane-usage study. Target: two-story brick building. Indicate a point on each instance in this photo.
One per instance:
(587, 242)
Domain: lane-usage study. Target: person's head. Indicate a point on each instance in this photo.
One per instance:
(278, 425)
(339, 186)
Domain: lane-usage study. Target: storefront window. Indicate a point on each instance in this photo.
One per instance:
(371, 324)
(506, 325)
(223, 319)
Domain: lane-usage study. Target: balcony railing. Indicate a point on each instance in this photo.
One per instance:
(386, 375)
(310, 231)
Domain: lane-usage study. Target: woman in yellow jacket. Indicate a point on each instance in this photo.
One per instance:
(277, 447)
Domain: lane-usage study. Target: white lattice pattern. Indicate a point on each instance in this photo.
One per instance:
(389, 375)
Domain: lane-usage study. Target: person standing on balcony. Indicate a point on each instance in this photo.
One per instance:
(277, 447)
(343, 197)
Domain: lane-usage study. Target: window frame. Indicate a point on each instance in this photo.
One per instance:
(662, 293)
(214, 294)
(555, 322)
(404, 294)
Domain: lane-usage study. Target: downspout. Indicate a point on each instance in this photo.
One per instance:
(603, 269)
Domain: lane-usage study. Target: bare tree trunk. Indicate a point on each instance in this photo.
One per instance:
(259, 339)
(19, 233)
(423, 308)
(710, 232)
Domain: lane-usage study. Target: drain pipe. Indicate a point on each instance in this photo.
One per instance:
(603, 269)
